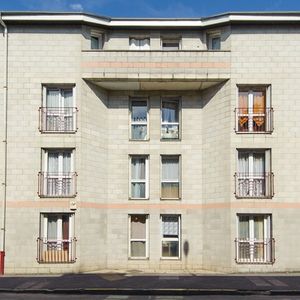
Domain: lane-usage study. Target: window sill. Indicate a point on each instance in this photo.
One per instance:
(138, 199)
(170, 258)
(170, 199)
(138, 258)
(131, 140)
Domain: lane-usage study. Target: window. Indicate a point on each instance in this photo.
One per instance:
(170, 118)
(57, 178)
(254, 179)
(214, 41)
(138, 239)
(139, 43)
(170, 177)
(254, 243)
(58, 113)
(254, 113)
(139, 166)
(139, 119)
(96, 42)
(56, 242)
(170, 241)
(170, 44)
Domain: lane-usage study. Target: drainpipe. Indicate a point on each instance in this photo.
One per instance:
(4, 183)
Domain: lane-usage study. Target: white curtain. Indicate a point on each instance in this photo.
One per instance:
(66, 162)
(52, 228)
(138, 168)
(53, 164)
(145, 44)
(52, 98)
(258, 163)
(170, 169)
(243, 163)
(259, 227)
(170, 111)
(243, 227)
(170, 225)
(138, 227)
(68, 98)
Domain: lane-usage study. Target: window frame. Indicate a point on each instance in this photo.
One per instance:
(178, 239)
(99, 34)
(146, 180)
(171, 40)
(131, 123)
(146, 239)
(210, 37)
(139, 47)
(170, 181)
(179, 123)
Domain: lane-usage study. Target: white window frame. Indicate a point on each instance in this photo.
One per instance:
(61, 88)
(99, 34)
(60, 175)
(146, 239)
(146, 180)
(170, 181)
(171, 40)
(178, 239)
(139, 47)
(250, 114)
(178, 124)
(252, 239)
(139, 122)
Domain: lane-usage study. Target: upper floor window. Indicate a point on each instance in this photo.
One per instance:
(254, 113)
(138, 236)
(170, 44)
(56, 242)
(254, 178)
(139, 119)
(139, 177)
(139, 43)
(170, 240)
(58, 111)
(97, 38)
(254, 243)
(170, 118)
(170, 176)
(214, 41)
(57, 177)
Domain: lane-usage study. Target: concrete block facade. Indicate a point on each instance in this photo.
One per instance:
(104, 81)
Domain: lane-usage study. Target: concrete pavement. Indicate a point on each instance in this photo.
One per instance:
(127, 284)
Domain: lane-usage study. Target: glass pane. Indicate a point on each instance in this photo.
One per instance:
(170, 190)
(139, 111)
(216, 43)
(53, 162)
(52, 98)
(138, 190)
(138, 227)
(258, 163)
(170, 249)
(170, 226)
(138, 249)
(170, 131)
(52, 228)
(66, 162)
(68, 98)
(138, 168)
(258, 227)
(170, 168)
(139, 132)
(170, 111)
(259, 101)
(94, 42)
(243, 163)
(243, 227)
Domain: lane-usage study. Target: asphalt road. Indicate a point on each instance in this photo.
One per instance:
(8, 296)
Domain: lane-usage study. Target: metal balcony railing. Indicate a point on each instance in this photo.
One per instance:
(254, 120)
(56, 251)
(255, 251)
(57, 184)
(58, 119)
(254, 185)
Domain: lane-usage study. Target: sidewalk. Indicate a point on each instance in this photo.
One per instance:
(153, 284)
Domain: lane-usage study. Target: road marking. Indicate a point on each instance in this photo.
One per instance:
(259, 281)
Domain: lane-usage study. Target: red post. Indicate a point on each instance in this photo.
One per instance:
(2, 255)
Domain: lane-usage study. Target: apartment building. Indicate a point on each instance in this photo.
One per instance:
(156, 145)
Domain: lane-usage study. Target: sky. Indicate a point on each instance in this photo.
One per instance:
(151, 8)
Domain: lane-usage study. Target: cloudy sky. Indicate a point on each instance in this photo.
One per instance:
(151, 8)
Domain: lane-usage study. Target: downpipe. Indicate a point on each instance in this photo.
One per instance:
(4, 183)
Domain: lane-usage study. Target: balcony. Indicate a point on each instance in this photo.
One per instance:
(155, 70)
(56, 251)
(255, 251)
(251, 185)
(249, 120)
(57, 184)
(58, 119)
